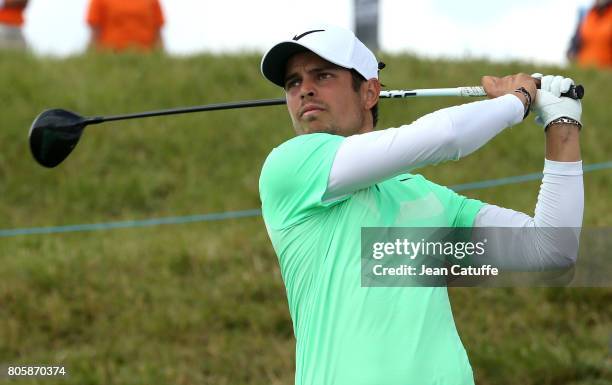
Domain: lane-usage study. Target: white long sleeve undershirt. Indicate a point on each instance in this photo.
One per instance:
(550, 239)
(447, 134)
(452, 133)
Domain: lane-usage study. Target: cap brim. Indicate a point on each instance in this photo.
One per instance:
(274, 62)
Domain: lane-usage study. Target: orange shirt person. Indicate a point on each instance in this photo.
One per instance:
(592, 45)
(11, 12)
(11, 21)
(124, 24)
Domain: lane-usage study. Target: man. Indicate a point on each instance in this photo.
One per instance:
(338, 175)
(11, 21)
(591, 44)
(118, 25)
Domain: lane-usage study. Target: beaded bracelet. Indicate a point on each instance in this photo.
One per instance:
(523, 91)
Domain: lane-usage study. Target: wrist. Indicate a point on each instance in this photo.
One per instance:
(563, 142)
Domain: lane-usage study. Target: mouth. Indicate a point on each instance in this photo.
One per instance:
(310, 109)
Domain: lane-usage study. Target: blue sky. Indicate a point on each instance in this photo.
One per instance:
(536, 30)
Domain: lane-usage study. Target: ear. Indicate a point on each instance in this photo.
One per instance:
(371, 93)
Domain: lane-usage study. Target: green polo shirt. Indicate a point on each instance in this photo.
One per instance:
(347, 334)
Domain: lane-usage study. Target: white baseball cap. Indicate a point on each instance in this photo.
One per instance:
(334, 44)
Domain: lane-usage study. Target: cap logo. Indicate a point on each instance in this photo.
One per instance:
(298, 37)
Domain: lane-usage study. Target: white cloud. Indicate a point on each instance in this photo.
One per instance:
(521, 29)
(535, 31)
(56, 30)
(234, 25)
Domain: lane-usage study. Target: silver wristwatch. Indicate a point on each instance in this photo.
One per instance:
(564, 120)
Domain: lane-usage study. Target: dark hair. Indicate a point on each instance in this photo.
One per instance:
(358, 79)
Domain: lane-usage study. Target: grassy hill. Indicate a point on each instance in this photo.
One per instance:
(203, 303)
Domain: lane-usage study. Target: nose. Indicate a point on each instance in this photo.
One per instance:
(307, 88)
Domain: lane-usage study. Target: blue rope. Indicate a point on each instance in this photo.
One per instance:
(132, 224)
(252, 212)
(520, 178)
(496, 182)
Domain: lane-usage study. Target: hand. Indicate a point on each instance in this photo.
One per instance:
(495, 86)
(550, 105)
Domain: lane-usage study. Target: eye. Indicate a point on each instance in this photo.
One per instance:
(325, 75)
(290, 83)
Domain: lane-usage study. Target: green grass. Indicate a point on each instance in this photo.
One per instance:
(203, 303)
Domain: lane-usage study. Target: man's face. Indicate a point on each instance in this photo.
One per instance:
(321, 98)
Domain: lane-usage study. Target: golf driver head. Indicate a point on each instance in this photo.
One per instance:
(54, 134)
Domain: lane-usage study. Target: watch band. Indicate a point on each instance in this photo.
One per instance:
(564, 120)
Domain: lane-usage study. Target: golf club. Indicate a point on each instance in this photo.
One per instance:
(56, 132)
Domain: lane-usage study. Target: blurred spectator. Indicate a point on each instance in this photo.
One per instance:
(123, 24)
(592, 42)
(11, 21)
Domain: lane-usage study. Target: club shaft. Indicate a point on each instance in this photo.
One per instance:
(576, 92)
(186, 110)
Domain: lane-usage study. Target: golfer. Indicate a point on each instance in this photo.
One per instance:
(337, 175)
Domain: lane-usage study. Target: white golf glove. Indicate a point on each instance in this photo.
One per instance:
(550, 105)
